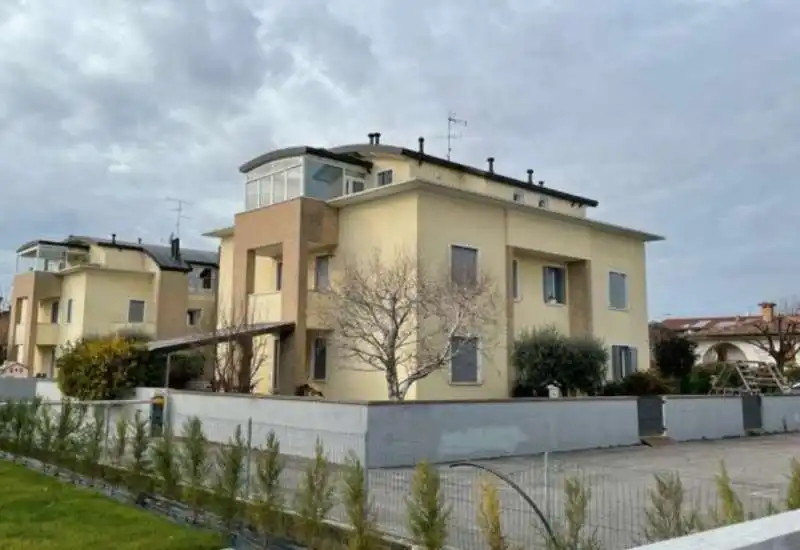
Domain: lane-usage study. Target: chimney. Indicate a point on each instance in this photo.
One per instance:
(377, 138)
(541, 183)
(139, 240)
(530, 176)
(371, 137)
(490, 160)
(421, 145)
(175, 248)
(113, 238)
(767, 311)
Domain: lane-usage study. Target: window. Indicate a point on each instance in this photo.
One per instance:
(385, 177)
(354, 185)
(463, 265)
(54, 312)
(136, 311)
(515, 290)
(554, 285)
(207, 278)
(319, 359)
(617, 290)
(193, 317)
(278, 275)
(321, 267)
(69, 310)
(464, 360)
(251, 195)
(624, 360)
(518, 197)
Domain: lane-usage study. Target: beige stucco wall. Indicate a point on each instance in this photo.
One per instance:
(107, 297)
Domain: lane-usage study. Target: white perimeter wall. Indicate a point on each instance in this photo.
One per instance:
(402, 434)
(780, 413)
(689, 418)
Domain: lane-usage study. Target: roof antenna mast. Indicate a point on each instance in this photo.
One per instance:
(453, 122)
(179, 207)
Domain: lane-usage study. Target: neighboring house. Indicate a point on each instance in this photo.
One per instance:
(80, 286)
(308, 209)
(735, 337)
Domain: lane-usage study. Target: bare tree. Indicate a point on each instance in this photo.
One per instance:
(236, 366)
(777, 332)
(398, 318)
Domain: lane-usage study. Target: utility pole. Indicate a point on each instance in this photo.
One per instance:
(179, 207)
(452, 123)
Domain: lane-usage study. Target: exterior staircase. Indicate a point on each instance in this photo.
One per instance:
(749, 378)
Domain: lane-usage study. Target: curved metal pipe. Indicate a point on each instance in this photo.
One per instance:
(516, 488)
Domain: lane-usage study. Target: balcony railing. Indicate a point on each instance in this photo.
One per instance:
(46, 334)
(137, 328)
(263, 307)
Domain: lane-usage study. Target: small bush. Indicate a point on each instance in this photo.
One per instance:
(639, 383)
(573, 533)
(363, 535)
(668, 515)
(165, 464)
(490, 516)
(267, 512)
(194, 465)
(100, 368)
(314, 499)
(229, 479)
(428, 514)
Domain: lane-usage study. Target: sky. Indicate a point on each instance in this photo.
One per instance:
(679, 116)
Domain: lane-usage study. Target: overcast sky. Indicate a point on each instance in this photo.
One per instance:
(681, 117)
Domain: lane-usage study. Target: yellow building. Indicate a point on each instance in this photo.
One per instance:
(307, 210)
(83, 286)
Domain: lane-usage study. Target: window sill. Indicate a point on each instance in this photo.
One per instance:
(477, 383)
(555, 304)
(620, 309)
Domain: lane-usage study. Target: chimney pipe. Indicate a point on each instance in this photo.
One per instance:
(176, 248)
(421, 145)
(377, 138)
(530, 176)
(139, 240)
(490, 160)
(767, 311)
(371, 137)
(113, 238)
(541, 183)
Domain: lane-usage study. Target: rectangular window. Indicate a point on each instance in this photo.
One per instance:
(54, 312)
(519, 197)
(624, 360)
(321, 275)
(278, 275)
(354, 185)
(385, 177)
(464, 360)
(554, 285)
(193, 317)
(463, 265)
(69, 310)
(617, 290)
(251, 195)
(136, 311)
(207, 278)
(515, 290)
(319, 359)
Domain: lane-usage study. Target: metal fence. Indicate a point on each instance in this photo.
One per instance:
(616, 513)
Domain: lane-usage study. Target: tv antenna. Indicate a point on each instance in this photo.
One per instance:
(453, 122)
(179, 207)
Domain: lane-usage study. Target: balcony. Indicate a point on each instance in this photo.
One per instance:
(50, 258)
(148, 329)
(264, 307)
(46, 334)
(317, 316)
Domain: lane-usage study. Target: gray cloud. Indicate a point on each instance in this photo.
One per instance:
(678, 115)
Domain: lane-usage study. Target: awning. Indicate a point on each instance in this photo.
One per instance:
(220, 336)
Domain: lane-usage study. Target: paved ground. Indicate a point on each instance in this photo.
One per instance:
(619, 479)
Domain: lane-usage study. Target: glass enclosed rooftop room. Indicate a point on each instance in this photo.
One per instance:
(303, 176)
(50, 257)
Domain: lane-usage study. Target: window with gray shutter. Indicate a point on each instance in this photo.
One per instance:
(617, 290)
(464, 361)
(463, 265)
(321, 277)
(136, 311)
(624, 361)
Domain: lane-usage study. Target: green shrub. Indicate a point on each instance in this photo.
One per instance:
(668, 514)
(428, 513)
(639, 383)
(314, 499)
(490, 520)
(267, 512)
(229, 479)
(572, 532)
(545, 356)
(360, 516)
(100, 368)
(194, 465)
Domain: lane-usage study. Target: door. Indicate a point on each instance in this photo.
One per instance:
(651, 415)
(751, 412)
